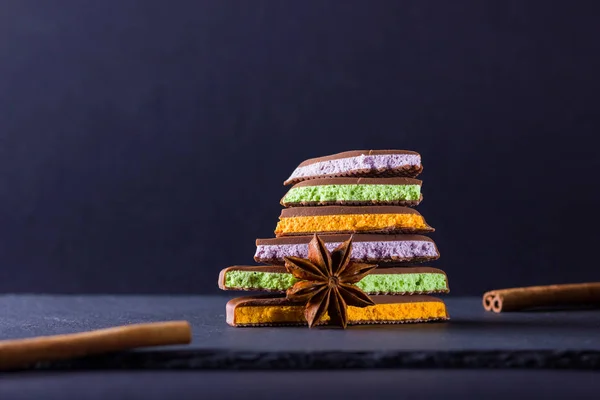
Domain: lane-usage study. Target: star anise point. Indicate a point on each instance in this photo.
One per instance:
(326, 282)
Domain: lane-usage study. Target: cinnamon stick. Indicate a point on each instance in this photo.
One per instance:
(23, 352)
(542, 296)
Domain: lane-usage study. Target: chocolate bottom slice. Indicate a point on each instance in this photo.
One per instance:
(270, 310)
(368, 248)
(396, 281)
(348, 219)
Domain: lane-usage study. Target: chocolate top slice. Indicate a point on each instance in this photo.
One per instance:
(358, 237)
(377, 271)
(256, 268)
(355, 153)
(344, 210)
(280, 300)
(406, 270)
(358, 181)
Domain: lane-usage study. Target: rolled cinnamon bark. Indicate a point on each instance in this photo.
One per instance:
(23, 352)
(542, 296)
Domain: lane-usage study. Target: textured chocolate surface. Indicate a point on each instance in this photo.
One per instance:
(354, 153)
(344, 210)
(358, 181)
(407, 270)
(282, 269)
(405, 203)
(279, 300)
(381, 262)
(409, 171)
(357, 237)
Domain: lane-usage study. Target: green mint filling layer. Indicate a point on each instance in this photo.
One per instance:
(373, 283)
(353, 193)
(397, 283)
(259, 280)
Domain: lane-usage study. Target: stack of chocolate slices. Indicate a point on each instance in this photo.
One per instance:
(366, 196)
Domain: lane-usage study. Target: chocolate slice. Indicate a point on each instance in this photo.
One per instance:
(396, 281)
(345, 210)
(368, 248)
(270, 310)
(354, 191)
(360, 163)
(346, 219)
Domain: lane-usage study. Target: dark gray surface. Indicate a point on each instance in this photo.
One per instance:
(473, 337)
(470, 327)
(330, 385)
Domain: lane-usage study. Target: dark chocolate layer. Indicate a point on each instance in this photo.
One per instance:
(358, 181)
(377, 271)
(357, 237)
(344, 210)
(404, 203)
(354, 153)
(281, 300)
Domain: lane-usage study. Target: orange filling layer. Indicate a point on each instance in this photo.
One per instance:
(349, 222)
(253, 315)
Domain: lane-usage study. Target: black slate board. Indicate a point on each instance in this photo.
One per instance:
(472, 339)
(387, 384)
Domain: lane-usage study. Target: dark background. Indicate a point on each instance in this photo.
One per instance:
(143, 143)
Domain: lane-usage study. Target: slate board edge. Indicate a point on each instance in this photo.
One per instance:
(238, 360)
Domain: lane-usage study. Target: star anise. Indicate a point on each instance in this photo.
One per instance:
(326, 282)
